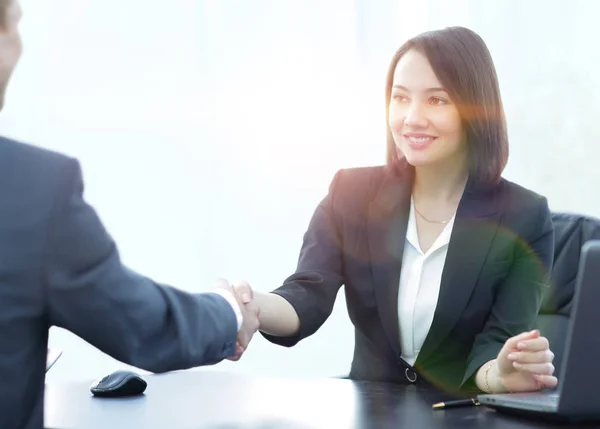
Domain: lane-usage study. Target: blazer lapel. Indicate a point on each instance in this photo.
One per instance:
(387, 223)
(475, 226)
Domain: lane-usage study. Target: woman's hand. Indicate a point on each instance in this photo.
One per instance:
(525, 363)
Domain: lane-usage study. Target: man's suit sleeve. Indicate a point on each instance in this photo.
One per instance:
(126, 315)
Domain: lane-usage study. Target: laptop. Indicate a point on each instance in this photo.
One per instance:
(577, 395)
(51, 357)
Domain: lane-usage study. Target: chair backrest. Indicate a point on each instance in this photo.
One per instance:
(571, 232)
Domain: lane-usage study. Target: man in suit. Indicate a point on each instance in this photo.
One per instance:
(59, 266)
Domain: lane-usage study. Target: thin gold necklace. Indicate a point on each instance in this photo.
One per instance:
(443, 222)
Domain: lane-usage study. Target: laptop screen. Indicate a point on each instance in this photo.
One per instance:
(51, 357)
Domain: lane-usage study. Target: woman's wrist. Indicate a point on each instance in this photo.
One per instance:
(277, 316)
(489, 378)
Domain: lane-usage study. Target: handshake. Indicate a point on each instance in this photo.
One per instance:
(250, 310)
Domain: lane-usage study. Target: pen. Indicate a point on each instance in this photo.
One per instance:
(455, 404)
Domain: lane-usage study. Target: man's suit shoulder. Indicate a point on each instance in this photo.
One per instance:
(31, 166)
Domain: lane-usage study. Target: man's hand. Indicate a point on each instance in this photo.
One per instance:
(250, 325)
(250, 312)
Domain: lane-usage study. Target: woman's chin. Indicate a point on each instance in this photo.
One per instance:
(419, 161)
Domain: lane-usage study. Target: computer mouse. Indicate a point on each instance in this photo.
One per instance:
(119, 384)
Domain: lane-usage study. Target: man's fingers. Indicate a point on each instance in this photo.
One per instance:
(244, 291)
(253, 307)
(239, 351)
(245, 334)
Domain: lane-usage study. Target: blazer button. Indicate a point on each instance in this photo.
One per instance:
(410, 375)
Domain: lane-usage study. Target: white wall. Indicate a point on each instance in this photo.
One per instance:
(209, 130)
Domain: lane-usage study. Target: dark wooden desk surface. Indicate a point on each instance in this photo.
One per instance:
(213, 399)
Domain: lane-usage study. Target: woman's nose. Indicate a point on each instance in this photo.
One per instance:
(415, 117)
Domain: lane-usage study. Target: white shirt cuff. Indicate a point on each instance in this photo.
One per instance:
(233, 303)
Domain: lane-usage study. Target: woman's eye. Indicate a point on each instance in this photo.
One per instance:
(437, 101)
(399, 98)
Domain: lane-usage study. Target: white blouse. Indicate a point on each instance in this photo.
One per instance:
(419, 286)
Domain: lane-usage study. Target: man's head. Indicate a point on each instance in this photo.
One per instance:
(10, 42)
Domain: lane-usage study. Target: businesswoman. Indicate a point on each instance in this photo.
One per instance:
(444, 262)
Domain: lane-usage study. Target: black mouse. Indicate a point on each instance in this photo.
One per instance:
(119, 384)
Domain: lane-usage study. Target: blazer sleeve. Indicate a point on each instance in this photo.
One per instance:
(128, 316)
(312, 289)
(519, 298)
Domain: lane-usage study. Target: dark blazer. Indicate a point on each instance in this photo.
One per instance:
(59, 266)
(494, 278)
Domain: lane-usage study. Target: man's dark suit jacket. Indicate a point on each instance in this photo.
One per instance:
(493, 281)
(58, 266)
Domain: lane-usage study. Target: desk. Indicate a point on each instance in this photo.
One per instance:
(219, 400)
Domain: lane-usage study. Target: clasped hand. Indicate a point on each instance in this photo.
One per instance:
(250, 312)
(525, 363)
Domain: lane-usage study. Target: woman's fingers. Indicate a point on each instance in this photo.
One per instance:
(533, 345)
(535, 368)
(542, 356)
(546, 380)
